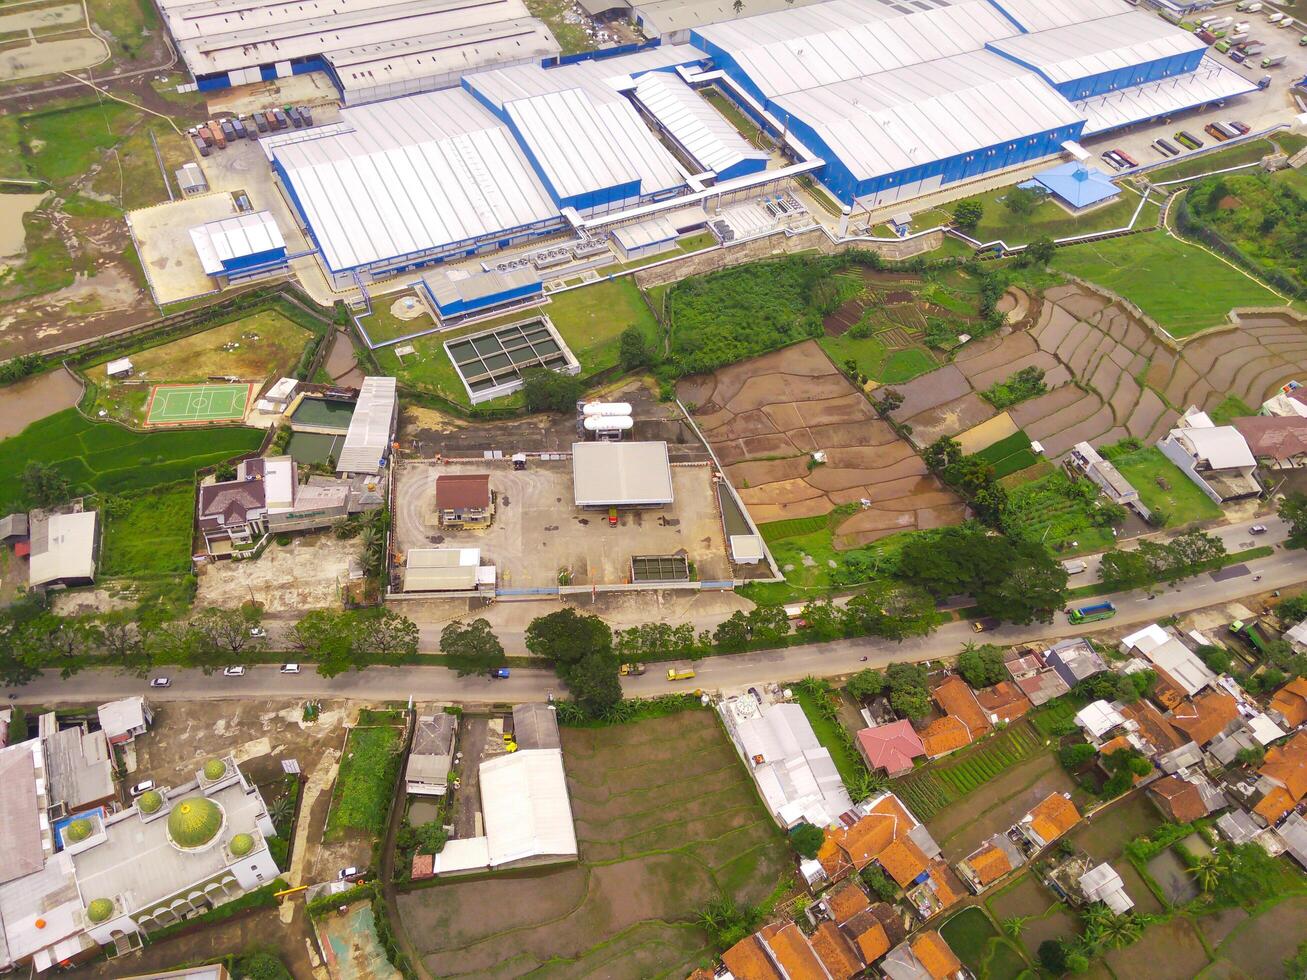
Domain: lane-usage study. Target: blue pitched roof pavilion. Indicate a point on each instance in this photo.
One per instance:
(1077, 184)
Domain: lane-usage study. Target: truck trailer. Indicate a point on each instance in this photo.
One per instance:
(1091, 614)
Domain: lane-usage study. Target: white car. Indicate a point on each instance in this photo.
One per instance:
(258, 632)
(160, 682)
(142, 787)
(233, 672)
(290, 668)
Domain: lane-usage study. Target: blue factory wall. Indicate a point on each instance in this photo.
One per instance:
(240, 262)
(459, 307)
(1112, 81)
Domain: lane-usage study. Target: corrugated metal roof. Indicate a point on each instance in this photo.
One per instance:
(412, 175)
(896, 120)
(794, 50)
(693, 123)
(63, 547)
(1065, 54)
(602, 78)
(525, 806)
(667, 16)
(1041, 15)
(368, 439)
(221, 241)
(1209, 82)
(615, 474)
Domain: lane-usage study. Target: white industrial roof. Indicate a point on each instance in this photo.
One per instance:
(1064, 54)
(239, 235)
(63, 547)
(900, 119)
(431, 569)
(1221, 446)
(464, 854)
(1149, 638)
(1042, 15)
(1209, 82)
(616, 474)
(1182, 664)
(525, 806)
(666, 16)
(465, 49)
(793, 50)
(412, 175)
(1098, 718)
(582, 145)
(603, 79)
(693, 123)
(369, 432)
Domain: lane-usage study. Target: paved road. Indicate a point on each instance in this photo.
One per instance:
(1280, 570)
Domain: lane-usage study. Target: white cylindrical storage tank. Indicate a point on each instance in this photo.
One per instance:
(608, 423)
(591, 409)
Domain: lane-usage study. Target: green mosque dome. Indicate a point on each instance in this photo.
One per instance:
(78, 831)
(194, 822)
(149, 802)
(214, 769)
(99, 909)
(241, 845)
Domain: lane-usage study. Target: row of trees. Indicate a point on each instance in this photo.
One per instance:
(1150, 562)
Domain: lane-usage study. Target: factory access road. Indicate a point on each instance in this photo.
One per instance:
(1280, 570)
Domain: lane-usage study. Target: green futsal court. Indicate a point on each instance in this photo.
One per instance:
(190, 404)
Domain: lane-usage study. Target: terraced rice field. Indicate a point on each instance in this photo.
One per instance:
(929, 790)
(765, 417)
(1109, 376)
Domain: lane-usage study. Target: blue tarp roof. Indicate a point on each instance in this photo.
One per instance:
(1076, 183)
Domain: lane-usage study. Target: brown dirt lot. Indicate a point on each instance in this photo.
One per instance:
(1184, 956)
(765, 416)
(1259, 947)
(666, 818)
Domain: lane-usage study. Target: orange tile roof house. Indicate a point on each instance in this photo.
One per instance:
(1050, 818)
(945, 735)
(867, 933)
(780, 951)
(1284, 777)
(955, 697)
(903, 861)
(836, 953)
(1178, 799)
(1203, 718)
(1154, 727)
(1005, 701)
(925, 957)
(846, 901)
(891, 747)
(990, 862)
(1291, 702)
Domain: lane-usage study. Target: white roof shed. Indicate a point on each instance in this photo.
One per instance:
(526, 808)
(693, 123)
(228, 240)
(367, 443)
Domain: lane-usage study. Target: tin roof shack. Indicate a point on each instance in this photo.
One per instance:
(427, 771)
(65, 549)
(122, 720)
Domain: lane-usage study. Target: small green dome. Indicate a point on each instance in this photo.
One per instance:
(214, 769)
(99, 909)
(241, 845)
(194, 822)
(78, 831)
(149, 802)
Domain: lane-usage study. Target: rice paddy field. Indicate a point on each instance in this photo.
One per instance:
(936, 786)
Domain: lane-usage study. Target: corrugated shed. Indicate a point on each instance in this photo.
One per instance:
(367, 442)
(694, 124)
(526, 808)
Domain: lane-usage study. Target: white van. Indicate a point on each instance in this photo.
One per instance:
(1276, 17)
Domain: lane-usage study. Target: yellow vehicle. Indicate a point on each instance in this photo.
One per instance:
(679, 675)
(631, 670)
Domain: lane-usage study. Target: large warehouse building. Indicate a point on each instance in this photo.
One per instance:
(883, 101)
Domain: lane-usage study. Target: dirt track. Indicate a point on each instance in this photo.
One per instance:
(766, 416)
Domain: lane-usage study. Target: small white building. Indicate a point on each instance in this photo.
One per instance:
(1107, 477)
(1103, 884)
(1098, 718)
(65, 548)
(432, 755)
(120, 368)
(1166, 653)
(122, 720)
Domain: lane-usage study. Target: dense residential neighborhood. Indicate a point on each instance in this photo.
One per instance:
(769, 490)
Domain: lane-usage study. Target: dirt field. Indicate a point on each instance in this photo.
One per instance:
(666, 818)
(306, 574)
(1184, 954)
(1126, 376)
(538, 530)
(766, 416)
(1259, 947)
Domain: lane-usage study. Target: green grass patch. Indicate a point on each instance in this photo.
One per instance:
(968, 934)
(733, 114)
(1009, 455)
(930, 788)
(147, 534)
(567, 30)
(1184, 288)
(1005, 962)
(1262, 215)
(366, 782)
(1232, 156)
(1052, 512)
(846, 759)
(1231, 407)
(793, 527)
(1050, 220)
(1051, 716)
(1181, 500)
(62, 143)
(877, 361)
(106, 458)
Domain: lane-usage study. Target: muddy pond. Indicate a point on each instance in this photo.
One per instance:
(23, 403)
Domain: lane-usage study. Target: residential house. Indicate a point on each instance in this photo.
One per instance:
(1103, 884)
(1184, 757)
(1293, 832)
(793, 771)
(1109, 479)
(1074, 660)
(1186, 799)
(427, 770)
(1178, 668)
(13, 528)
(926, 956)
(1030, 672)
(1205, 716)
(868, 934)
(1215, 457)
(78, 767)
(782, 952)
(1296, 637)
(1005, 702)
(1156, 733)
(891, 748)
(1024, 662)
(955, 697)
(121, 721)
(1283, 779)
(839, 958)
(64, 548)
(1048, 820)
(1097, 720)
(1278, 442)
(945, 735)
(845, 901)
(1291, 400)
(1247, 732)
(990, 862)
(463, 500)
(1290, 702)
(1238, 827)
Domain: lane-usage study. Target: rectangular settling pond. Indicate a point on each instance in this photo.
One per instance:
(491, 364)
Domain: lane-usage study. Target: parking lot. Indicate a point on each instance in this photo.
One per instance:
(538, 530)
(1258, 110)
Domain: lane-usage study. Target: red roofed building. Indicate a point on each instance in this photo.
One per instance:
(1203, 718)
(891, 747)
(955, 697)
(1004, 702)
(1291, 702)
(1285, 771)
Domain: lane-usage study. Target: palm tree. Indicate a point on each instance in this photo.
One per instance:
(864, 784)
(1209, 870)
(1015, 925)
(1119, 931)
(281, 810)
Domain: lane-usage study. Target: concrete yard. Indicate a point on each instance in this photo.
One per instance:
(162, 233)
(538, 530)
(306, 574)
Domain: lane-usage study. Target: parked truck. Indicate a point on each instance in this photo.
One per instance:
(1274, 62)
(1250, 633)
(679, 674)
(632, 670)
(1091, 614)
